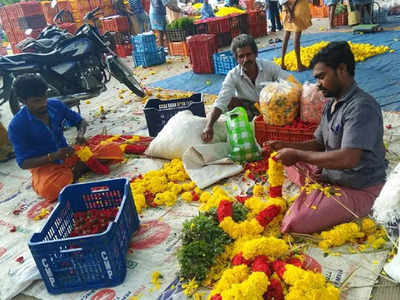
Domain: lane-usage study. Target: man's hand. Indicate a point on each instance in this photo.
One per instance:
(63, 153)
(274, 145)
(288, 156)
(80, 140)
(207, 134)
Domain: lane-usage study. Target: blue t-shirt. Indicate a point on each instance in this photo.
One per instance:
(207, 11)
(136, 6)
(32, 138)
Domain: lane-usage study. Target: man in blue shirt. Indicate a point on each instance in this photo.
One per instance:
(36, 133)
(207, 10)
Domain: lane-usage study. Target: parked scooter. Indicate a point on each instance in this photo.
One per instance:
(77, 69)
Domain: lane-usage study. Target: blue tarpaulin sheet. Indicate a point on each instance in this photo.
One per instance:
(378, 75)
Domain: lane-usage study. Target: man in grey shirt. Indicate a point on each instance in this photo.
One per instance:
(347, 151)
(243, 84)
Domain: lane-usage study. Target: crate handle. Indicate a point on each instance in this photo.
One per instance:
(71, 250)
(97, 189)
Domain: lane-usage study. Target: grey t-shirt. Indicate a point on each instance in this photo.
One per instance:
(355, 122)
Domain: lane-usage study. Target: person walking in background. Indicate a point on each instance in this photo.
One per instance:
(139, 15)
(158, 17)
(296, 19)
(332, 7)
(364, 6)
(273, 11)
(121, 10)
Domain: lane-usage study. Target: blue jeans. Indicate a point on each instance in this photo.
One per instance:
(274, 14)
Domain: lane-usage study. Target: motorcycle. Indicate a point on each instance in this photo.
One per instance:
(50, 36)
(77, 69)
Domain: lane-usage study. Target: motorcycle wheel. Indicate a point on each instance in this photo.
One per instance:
(124, 75)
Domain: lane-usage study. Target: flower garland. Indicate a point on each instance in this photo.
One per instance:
(352, 232)
(87, 157)
(361, 52)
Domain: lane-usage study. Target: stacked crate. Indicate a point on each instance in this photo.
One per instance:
(118, 27)
(201, 49)
(257, 23)
(221, 27)
(19, 17)
(145, 50)
(79, 9)
(48, 11)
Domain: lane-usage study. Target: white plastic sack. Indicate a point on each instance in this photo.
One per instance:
(208, 164)
(386, 209)
(182, 131)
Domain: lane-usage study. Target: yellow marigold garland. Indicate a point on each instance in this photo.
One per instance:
(361, 52)
(308, 285)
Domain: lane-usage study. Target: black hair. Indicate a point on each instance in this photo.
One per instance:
(29, 85)
(334, 54)
(243, 40)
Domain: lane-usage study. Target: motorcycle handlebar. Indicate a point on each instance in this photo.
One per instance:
(58, 15)
(91, 14)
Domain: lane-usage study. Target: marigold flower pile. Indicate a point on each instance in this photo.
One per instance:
(161, 187)
(361, 52)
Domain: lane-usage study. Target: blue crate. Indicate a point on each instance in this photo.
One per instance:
(91, 261)
(223, 62)
(148, 59)
(158, 112)
(144, 43)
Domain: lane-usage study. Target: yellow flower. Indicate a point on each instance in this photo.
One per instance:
(258, 190)
(340, 234)
(190, 287)
(156, 279)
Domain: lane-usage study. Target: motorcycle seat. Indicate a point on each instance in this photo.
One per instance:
(18, 59)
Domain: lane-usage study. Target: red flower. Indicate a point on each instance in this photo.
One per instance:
(195, 197)
(96, 166)
(225, 209)
(260, 264)
(242, 199)
(216, 297)
(295, 261)
(240, 260)
(279, 267)
(20, 259)
(13, 228)
(275, 191)
(136, 149)
(265, 216)
(275, 290)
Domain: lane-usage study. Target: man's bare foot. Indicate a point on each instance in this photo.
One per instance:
(301, 68)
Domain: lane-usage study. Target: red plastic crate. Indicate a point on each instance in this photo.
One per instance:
(201, 49)
(178, 49)
(212, 24)
(27, 9)
(256, 17)
(200, 27)
(70, 27)
(224, 24)
(235, 32)
(12, 12)
(265, 132)
(3, 15)
(94, 4)
(65, 5)
(124, 50)
(49, 12)
(115, 24)
(258, 30)
(341, 20)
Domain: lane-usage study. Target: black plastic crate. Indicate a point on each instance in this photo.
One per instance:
(179, 35)
(158, 112)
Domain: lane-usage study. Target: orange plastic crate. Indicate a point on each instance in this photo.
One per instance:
(341, 20)
(178, 49)
(265, 132)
